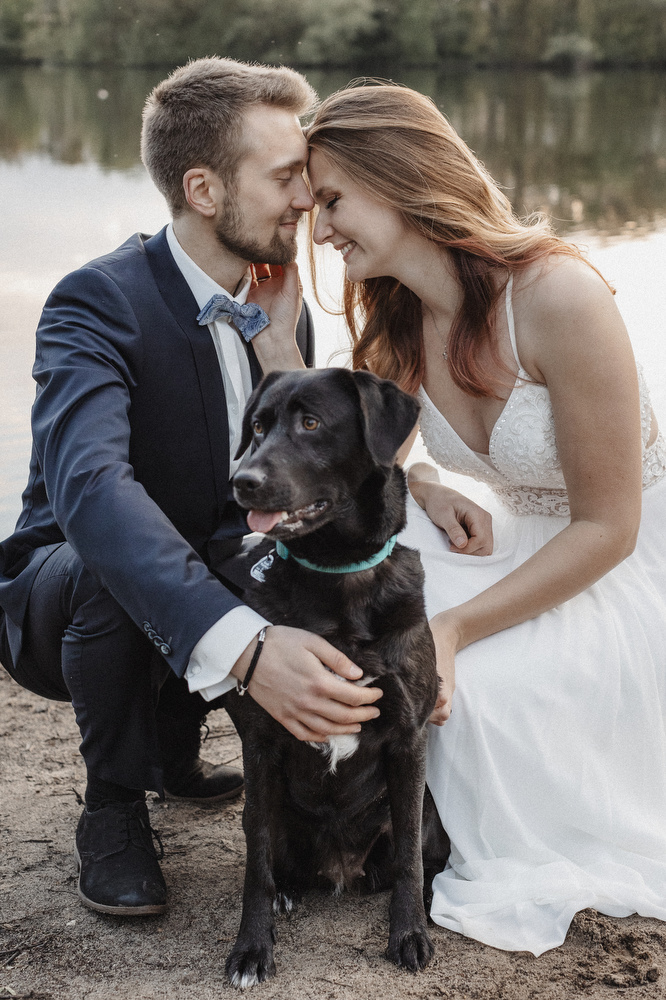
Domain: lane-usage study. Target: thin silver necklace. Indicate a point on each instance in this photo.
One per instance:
(445, 349)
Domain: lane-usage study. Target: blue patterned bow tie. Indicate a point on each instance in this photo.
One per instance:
(249, 318)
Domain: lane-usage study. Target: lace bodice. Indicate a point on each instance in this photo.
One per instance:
(523, 466)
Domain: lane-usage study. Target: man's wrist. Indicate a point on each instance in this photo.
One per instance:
(241, 666)
(243, 685)
(215, 656)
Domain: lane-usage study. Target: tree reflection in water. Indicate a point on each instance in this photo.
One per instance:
(589, 149)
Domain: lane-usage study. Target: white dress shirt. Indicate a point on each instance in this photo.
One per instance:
(218, 649)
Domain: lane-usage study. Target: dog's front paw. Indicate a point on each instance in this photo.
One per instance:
(411, 949)
(249, 966)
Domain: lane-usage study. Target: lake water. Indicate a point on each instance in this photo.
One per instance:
(591, 150)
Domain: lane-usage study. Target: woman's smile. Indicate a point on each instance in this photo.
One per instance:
(345, 248)
(368, 233)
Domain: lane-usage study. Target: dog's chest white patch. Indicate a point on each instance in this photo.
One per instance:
(338, 748)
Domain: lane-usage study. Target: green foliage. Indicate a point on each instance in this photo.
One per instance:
(333, 33)
(588, 149)
(570, 51)
(404, 32)
(13, 14)
(634, 32)
(336, 33)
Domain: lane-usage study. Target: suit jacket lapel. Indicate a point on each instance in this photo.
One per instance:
(255, 367)
(177, 295)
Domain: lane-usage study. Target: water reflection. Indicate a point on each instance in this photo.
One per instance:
(74, 115)
(590, 150)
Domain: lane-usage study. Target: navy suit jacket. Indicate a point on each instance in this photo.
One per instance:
(130, 459)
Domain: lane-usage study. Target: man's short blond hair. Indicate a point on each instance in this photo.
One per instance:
(194, 118)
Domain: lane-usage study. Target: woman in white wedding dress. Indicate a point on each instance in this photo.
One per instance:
(548, 763)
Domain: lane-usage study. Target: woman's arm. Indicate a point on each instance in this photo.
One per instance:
(574, 340)
(279, 292)
(468, 526)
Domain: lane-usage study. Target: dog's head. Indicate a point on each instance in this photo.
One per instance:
(316, 437)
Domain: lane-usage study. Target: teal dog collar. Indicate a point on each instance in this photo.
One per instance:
(378, 557)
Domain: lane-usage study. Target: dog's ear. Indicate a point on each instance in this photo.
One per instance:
(389, 414)
(246, 432)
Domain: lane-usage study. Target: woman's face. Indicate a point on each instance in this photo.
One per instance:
(368, 233)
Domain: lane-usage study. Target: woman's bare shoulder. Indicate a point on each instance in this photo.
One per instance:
(560, 283)
(561, 304)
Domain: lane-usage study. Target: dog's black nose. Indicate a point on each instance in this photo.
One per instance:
(249, 479)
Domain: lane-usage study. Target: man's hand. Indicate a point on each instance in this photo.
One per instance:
(279, 292)
(468, 526)
(292, 684)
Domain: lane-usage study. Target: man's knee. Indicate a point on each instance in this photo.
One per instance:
(69, 607)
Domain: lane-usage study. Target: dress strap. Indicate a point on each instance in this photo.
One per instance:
(510, 321)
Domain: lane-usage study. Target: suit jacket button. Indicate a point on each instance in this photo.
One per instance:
(152, 635)
(147, 626)
(165, 649)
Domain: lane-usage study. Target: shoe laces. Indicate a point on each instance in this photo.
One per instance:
(134, 816)
(157, 837)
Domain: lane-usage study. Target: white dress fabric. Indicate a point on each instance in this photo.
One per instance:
(550, 775)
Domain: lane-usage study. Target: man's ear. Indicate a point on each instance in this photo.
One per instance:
(203, 190)
(389, 414)
(252, 403)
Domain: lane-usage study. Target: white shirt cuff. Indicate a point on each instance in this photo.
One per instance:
(218, 649)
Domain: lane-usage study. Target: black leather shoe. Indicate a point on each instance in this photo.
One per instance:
(118, 865)
(186, 775)
(199, 781)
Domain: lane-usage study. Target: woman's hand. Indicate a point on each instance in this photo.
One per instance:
(446, 636)
(279, 292)
(469, 527)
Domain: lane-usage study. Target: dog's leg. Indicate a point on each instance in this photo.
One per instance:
(292, 860)
(436, 846)
(379, 865)
(409, 943)
(251, 958)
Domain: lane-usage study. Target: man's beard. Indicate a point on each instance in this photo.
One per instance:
(230, 233)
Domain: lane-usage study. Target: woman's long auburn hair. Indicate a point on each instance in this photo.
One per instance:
(396, 144)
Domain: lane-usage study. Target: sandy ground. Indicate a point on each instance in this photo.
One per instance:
(52, 948)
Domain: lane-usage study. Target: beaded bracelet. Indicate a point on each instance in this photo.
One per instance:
(242, 686)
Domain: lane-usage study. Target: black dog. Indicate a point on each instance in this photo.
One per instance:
(322, 479)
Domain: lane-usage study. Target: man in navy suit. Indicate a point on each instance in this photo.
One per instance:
(114, 587)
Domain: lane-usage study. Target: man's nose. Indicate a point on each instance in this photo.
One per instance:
(303, 200)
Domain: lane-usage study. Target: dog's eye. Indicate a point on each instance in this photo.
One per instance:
(310, 423)
(257, 427)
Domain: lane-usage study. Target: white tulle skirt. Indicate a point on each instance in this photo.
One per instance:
(550, 775)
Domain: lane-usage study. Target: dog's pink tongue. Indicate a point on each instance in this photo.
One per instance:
(263, 520)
